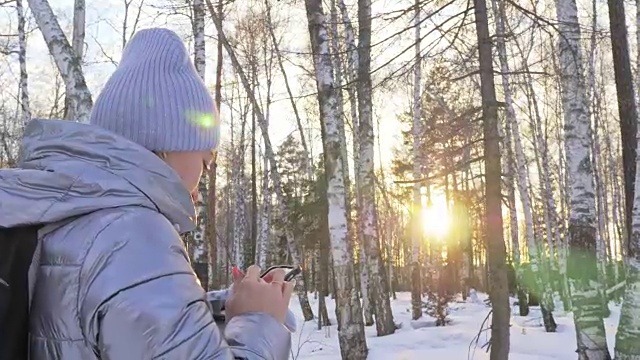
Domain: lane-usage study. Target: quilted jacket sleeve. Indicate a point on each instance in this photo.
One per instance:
(139, 299)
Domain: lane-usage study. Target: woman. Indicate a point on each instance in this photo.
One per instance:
(113, 280)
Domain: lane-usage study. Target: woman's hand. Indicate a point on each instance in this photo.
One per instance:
(252, 294)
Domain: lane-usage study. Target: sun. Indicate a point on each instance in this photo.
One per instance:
(436, 220)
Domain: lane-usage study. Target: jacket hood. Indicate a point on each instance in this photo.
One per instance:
(69, 169)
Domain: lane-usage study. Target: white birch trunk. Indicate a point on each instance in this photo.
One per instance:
(200, 243)
(265, 218)
(351, 335)
(337, 69)
(416, 228)
(351, 77)
(582, 267)
(199, 54)
(77, 42)
(595, 151)
(368, 212)
(25, 107)
(352, 63)
(63, 55)
(239, 206)
(509, 169)
(364, 282)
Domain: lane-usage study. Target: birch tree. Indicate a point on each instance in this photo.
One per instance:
(214, 246)
(351, 335)
(582, 263)
(265, 218)
(366, 180)
(77, 44)
(416, 234)
(350, 70)
(63, 54)
(77, 41)
(239, 195)
(592, 98)
(200, 244)
(25, 106)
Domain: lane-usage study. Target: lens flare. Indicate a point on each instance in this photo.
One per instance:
(205, 120)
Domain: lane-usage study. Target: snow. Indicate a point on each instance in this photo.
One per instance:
(423, 340)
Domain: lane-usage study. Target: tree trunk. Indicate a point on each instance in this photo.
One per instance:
(627, 346)
(416, 230)
(367, 211)
(265, 218)
(199, 243)
(77, 44)
(251, 254)
(595, 152)
(351, 335)
(582, 264)
(626, 102)
(323, 262)
(63, 54)
(22, 58)
(355, 231)
(498, 288)
(239, 208)
(214, 246)
(199, 53)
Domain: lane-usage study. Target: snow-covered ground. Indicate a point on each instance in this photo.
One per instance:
(422, 340)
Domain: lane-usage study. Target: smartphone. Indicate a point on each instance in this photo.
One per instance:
(290, 271)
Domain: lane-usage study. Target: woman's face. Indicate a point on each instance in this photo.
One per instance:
(189, 165)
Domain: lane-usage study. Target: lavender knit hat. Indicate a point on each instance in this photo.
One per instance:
(156, 98)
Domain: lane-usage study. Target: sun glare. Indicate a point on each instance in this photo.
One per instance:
(435, 218)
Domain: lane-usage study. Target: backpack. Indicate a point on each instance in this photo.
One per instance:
(17, 247)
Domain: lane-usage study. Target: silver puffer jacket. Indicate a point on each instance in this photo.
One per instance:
(111, 279)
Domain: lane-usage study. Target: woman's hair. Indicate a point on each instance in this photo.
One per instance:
(161, 154)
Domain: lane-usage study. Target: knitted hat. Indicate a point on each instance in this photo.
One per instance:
(156, 98)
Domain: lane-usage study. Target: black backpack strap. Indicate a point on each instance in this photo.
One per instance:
(17, 246)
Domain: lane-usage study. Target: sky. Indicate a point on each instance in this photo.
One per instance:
(103, 39)
(104, 19)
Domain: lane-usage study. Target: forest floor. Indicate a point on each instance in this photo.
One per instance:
(421, 340)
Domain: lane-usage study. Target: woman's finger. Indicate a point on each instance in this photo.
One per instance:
(253, 273)
(287, 290)
(277, 275)
(237, 273)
